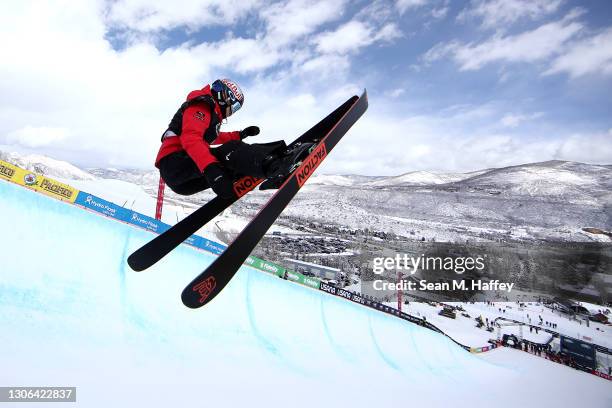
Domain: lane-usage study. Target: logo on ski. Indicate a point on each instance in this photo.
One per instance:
(205, 288)
(244, 185)
(309, 166)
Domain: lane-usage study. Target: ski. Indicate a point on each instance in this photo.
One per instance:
(213, 279)
(154, 250)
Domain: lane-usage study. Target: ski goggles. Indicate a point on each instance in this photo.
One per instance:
(226, 97)
(233, 102)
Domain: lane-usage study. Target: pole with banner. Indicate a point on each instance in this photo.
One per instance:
(160, 199)
(399, 291)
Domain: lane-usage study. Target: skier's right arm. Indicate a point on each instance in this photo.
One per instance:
(196, 120)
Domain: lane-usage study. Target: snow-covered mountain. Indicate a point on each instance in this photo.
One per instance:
(342, 180)
(550, 179)
(136, 176)
(46, 166)
(551, 200)
(421, 178)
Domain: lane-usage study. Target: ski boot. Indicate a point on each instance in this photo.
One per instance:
(278, 169)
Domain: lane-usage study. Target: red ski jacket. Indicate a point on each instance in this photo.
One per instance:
(196, 121)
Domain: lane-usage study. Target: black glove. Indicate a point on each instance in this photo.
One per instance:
(219, 180)
(249, 131)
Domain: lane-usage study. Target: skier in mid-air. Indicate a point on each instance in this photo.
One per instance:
(195, 155)
(189, 164)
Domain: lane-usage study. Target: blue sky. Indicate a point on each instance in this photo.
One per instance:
(453, 85)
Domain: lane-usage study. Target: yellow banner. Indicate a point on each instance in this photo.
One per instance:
(39, 183)
(55, 189)
(8, 171)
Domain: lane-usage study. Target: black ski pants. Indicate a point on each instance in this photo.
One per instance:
(183, 177)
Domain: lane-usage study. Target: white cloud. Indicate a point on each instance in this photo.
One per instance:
(439, 12)
(302, 101)
(589, 148)
(441, 50)
(587, 56)
(497, 14)
(396, 93)
(378, 11)
(513, 120)
(352, 36)
(67, 92)
(403, 5)
(388, 33)
(294, 19)
(325, 65)
(153, 15)
(539, 44)
(63, 74)
(242, 55)
(457, 144)
(35, 137)
(557, 45)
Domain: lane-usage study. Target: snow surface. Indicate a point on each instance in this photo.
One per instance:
(463, 328)
(74, 314)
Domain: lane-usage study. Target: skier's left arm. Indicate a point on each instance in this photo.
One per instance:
(224, 137)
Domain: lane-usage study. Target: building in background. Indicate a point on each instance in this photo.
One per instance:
(312, 269)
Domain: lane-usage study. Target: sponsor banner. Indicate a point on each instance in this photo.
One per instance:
(10, 172)
(353, 297)
(270, 267)
(602, 375)
(295, 277)
(102, 206)
(411, 319)
(357, 298)
(147, 222)
(252, 261)
(37, 182)
(211, 246)
(56, 189)
(312, 282)
(273, 268)
(328, 288)
(114, 211)
(194, 241)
